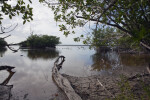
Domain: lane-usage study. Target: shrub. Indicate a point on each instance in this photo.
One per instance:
(3, 43)
(40, 41)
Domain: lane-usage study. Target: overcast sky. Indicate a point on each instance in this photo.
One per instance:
(43, 23)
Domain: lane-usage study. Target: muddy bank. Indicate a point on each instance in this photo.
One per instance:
(122, 84)
(5, 92)
(109, 87)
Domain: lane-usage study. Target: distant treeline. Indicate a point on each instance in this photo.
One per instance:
(40, 41)
(3, 43)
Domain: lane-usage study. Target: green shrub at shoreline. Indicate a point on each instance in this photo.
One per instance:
(40, 41)
(3, 43)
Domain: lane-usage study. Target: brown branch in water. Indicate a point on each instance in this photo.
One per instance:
(12, 49)
(11, 73)
(5, 82)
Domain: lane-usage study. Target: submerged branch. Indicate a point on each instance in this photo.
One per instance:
(11, 73)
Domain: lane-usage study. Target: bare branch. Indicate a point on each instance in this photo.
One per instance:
(114, 25)
(3, 29)
(112, 4)
(12, 49)
(5, 37)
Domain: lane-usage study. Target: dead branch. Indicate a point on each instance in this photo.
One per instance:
(5, 90)
(5, 82)
(11, 73)
(12, 49)
(3, 29)
(5, 37)
(5, 67)
(62, 82)
(60, 64)
(137, 76)
(105, 89)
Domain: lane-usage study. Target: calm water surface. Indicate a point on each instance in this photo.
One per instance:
(32, 79)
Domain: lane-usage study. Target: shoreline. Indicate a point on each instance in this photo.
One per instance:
(102, 87)
(122, 85)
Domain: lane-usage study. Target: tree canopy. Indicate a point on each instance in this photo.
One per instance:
(7, 9)
(19, 8)
(130, 16)
(3, 43)
(40, 41)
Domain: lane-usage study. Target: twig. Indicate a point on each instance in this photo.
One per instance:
(5, 37)
(3, 29)
(105, 88)
(137, 76)
(13, 49)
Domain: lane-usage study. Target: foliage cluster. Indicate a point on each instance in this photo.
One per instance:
(131, 17)
(40, 41)
(3, 43)
(19, 8)
(110, 36)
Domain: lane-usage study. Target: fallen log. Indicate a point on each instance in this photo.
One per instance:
(63, 82)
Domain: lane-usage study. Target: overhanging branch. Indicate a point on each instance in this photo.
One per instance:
(3, 29)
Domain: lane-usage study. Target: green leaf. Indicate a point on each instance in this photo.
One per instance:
(1, 18)
(81, 36)
(28, 6)
(24, 22)
(10, 16)
(30, 1)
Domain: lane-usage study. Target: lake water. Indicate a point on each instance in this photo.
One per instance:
(32, 79)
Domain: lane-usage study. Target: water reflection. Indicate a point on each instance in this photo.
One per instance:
(105, 60)
(135, 60)
(33, 79)
(112, 60)
(42, 54)
(2, 51)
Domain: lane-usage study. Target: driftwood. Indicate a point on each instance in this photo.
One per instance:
(63, 82)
